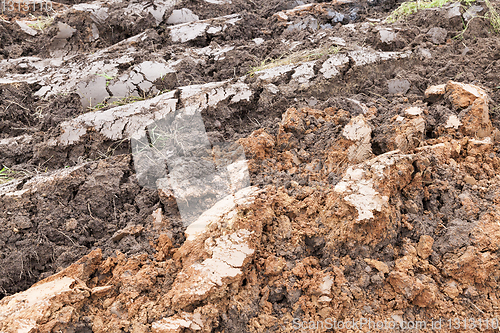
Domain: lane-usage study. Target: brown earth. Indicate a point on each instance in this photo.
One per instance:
(375, 192)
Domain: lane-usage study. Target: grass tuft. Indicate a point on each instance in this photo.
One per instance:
(493, 16)
(120, 102)
(41, 23)
(411, 7)
(123, 101)
(107, 77)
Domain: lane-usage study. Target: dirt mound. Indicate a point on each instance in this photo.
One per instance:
(246, 166)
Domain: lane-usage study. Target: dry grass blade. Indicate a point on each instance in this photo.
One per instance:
(493, 16)
(411, 7)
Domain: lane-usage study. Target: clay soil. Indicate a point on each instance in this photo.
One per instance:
(431, 251)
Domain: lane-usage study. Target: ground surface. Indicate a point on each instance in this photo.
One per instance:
(348, 167)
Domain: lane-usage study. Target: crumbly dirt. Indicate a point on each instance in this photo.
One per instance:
(397, 220)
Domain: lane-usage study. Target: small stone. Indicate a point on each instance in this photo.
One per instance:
(71, 224)
(157, 219)
(433, 93)
(308, 22)
(397, 86)
(334, 65)
(95, 33)
(398, 319)
(470, 180)
(357, 129)
(405, 263)
(336, 16)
